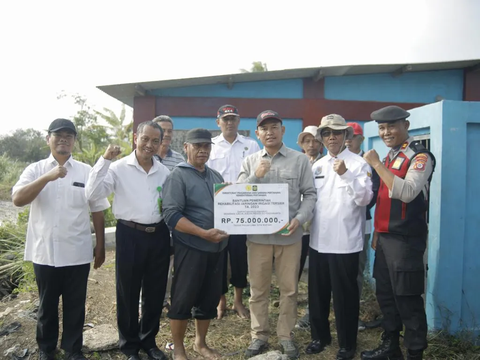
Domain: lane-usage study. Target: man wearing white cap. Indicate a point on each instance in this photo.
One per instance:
(313, 148)
(344, 189)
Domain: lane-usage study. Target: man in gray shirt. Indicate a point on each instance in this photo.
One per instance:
(276, 163)
(199, 247)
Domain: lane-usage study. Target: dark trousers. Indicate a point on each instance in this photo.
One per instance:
(71, 283)
(197, 284)
(141, 263)
(400, 279)
(237, 251)
(304, 253)
(335, 273)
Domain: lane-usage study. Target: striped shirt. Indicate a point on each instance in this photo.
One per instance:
(171, 160)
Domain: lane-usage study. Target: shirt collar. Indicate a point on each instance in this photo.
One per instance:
(282, 151)
(342, 155)
(51, 160)
(319, 156)
(132, 160)
(238, 138)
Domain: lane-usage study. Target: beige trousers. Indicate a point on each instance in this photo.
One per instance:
(260, 265)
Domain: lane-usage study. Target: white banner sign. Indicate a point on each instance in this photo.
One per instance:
(251, 208)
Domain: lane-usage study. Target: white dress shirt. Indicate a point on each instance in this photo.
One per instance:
(339, 218)
(58, 231)
(227, 158)
(137, 192)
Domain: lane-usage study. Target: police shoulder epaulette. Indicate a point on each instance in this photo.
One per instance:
(417, 146)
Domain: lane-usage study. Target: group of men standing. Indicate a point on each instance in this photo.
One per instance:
(329, 208)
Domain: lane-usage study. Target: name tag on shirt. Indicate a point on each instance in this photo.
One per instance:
(398, 163)
(79, 184)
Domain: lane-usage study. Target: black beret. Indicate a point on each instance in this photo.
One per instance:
(198, 135)
(389, 114)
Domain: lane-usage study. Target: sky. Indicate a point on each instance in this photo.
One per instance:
(49, 47)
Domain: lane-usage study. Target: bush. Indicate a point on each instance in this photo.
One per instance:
(12, 246)
(10, 171)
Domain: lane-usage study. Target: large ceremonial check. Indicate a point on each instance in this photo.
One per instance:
(251, 208)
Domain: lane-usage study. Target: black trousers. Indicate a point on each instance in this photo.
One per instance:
(70, 282)
(237, 251)
(142, 261)
(335, 273)
(304, 253)
(197, 284)
(400, 279)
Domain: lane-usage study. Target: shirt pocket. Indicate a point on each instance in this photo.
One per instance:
(289, 177)
(77, 198)
(219, 162)
(319, 182)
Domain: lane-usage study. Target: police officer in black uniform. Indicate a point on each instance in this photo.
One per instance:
(400, 235)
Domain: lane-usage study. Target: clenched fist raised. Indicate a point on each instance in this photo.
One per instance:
(112, 152)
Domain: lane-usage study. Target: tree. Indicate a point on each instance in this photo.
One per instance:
(25, 145)
(92, 137)
(121, 133)
(257, 66)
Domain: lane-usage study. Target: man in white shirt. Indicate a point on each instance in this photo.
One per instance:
(344, 189)
(228, 152)
(142, 238)
(59, 242)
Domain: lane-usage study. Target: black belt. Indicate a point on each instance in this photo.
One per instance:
(149, 229)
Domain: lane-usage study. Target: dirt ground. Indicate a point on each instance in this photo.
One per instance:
(229, 336)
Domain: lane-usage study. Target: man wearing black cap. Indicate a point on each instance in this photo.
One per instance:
(276, 163)
(59, 242)
(198, 247)
(142, 237)
(400, 235)
(228, 152)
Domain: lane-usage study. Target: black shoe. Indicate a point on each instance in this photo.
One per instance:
(389, 349)
(133, 357)
(42, 355)
(414, 355)
(344, 354)
(155, 354)
(74, 356)
(317, 346)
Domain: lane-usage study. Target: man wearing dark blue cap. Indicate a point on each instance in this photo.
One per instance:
(276, 163)
(59, 240)
(400, 235)
(199, 248)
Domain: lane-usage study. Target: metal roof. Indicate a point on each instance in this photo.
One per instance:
(126, 92)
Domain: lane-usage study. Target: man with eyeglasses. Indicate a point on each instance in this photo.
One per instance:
(59, 240)
(228, 151)
(354, 145)
(344, 189)
(198, 247)
(276, 163)
(142, 237)
(400, 235)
